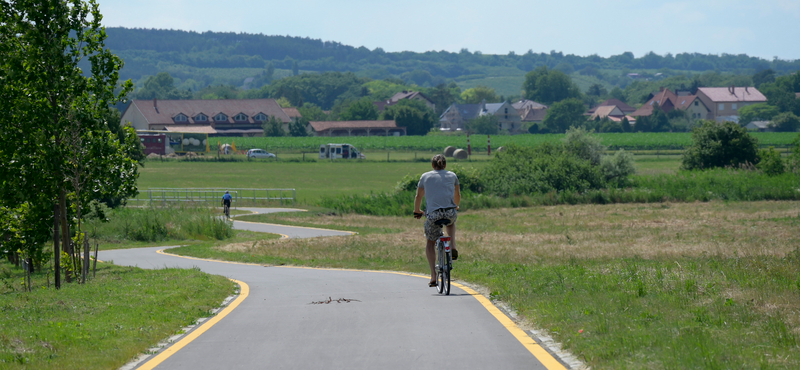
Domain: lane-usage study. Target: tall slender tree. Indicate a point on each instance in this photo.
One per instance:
(61, 150)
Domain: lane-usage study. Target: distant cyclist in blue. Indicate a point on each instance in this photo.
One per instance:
(442, 195)
(226, 199)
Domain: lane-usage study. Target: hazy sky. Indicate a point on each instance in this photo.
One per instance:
(765, 28)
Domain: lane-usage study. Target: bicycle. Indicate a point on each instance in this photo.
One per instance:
(444, 260)
(226, 208)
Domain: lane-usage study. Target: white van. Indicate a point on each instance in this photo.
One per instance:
(339, 151)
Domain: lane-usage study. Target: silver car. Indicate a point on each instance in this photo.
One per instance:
(259, 153)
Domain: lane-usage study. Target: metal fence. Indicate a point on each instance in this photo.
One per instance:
(213, 196)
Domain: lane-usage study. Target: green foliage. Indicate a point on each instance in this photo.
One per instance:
(160, 224)
(520, 170)
(618, 168)
(565, 114)
(161, 86)
(297, 128)
(770, 161)
(360, 110)
(757, 112)
(486, 124)
(785, 122)
(322, 90)
(273, 127)
(720, 145)
(579, 142)
(312, 112)
(478, 94)
(414, 115)
(549, 86)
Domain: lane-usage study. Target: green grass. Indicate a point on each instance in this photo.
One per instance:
(663, 286)
(311, 179)
(104, 323)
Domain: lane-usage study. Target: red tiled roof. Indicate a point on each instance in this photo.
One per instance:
(732, 94)
(162, 111)
(327, 125)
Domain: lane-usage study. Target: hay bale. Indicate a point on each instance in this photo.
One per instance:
(448, 152)
(152, 156)
(460, 154)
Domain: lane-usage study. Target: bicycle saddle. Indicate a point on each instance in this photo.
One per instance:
(442, 222)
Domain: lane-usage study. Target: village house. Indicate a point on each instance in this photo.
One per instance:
(724, 102)
(409, 95)
(226, 117)
(456, 116)
(667, 101)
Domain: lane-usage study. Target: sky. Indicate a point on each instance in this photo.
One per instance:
(765, 28)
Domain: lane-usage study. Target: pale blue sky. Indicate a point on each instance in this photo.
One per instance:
(765, 28)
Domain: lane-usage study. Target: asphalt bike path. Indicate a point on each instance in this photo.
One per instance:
(306, 318)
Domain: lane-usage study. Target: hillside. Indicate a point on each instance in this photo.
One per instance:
(197, 60)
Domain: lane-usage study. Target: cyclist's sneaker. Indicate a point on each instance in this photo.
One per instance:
(455, 254)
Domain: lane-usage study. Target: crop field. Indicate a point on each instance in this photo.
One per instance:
(627, 141)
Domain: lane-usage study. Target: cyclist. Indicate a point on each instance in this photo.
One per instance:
(442, 196)
(226, 203)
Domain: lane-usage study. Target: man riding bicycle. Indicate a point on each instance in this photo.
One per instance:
(442, 196)
(226, 203)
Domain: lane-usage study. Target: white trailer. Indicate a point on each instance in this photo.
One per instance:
(339, 151)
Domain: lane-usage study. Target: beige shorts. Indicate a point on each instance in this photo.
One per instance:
(432, 230)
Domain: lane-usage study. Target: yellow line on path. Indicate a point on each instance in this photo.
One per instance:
(171, 350)
(534, 348)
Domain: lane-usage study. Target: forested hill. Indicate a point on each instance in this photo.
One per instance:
(183, 54)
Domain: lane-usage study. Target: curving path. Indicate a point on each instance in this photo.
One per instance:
(392, 321)
(288, 231)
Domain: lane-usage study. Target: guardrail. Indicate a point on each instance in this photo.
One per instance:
(213, 196)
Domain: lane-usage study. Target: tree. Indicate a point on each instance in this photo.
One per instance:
(563, 115)
(579, 142)
(487, 124)
(312, 112)
(58, 107)
(444, 95)
(161, 86)
(360, 110)
(273, 127)
(757, 112)
(549, 86)
(785, 122)
(478, 94)
(597, 90)
(719, 145)
(414, 115)
(765, 76)
(295, 68)
(297, 128)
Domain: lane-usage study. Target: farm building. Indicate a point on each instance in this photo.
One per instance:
(230, 117)
(357, 128)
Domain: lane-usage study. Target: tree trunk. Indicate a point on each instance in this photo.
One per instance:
(65, 239)
(56, 250)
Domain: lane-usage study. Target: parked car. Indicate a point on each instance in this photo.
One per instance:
(259, 153)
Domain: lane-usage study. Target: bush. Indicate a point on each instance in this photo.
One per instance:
(578, 142)
(720, 145)
(770, 162)
(523, 170)
(617, 169)
(785, 122)
(157, 224)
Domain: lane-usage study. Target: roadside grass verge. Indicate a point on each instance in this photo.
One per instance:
(128, 227)
(104, 323)
(316, 217)
(665, 286)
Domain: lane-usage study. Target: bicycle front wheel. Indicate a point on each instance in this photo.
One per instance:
(446, 274)
(442, 266)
